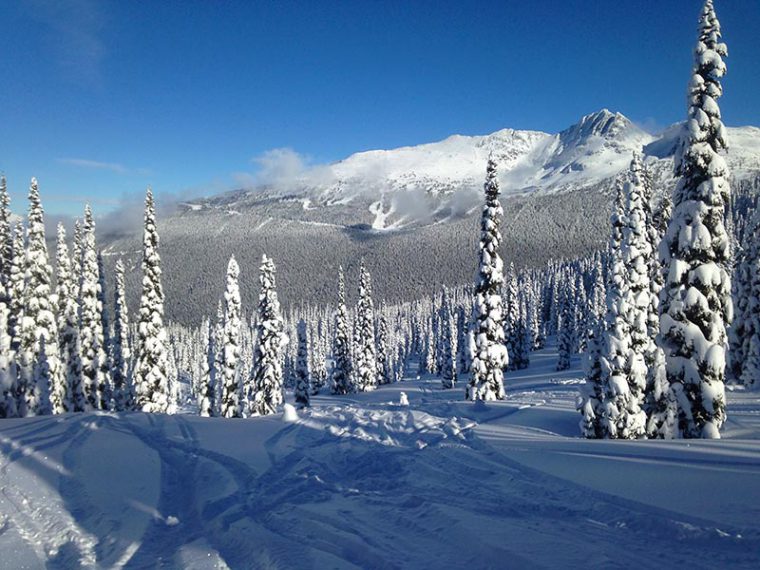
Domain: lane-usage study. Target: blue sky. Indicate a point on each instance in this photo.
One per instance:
(101, 98)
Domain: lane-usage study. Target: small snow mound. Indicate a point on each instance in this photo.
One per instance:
(403, 400)
(171, 521)
(289, 414)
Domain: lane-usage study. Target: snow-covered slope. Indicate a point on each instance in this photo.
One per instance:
(362, 482)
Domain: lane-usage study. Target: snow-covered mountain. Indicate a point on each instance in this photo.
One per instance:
(392, 189)
(412, 213)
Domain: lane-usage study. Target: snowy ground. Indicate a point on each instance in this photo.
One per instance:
(363, 482)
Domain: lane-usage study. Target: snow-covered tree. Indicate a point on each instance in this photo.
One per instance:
(627, 341)
(150, 375)
(38, 324)
(566, 332)
(489, 358)
(120, 352)
(341, 349)
(267, 370)
(447, 343)
(68, 335)
(695, 301)
(231, 404)
(8, 404)
(95, 382)
(303, 376)
(366, 357)
(383, 358)
(16, 288)
(512, 316)
(208, 403)
(6, 239)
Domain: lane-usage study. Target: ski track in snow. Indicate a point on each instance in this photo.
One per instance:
(362, 482)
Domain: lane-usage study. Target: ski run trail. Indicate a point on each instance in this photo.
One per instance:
(362, 481)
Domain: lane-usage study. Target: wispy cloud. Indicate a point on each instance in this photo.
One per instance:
(76, 31)
(98, 165)
(95, 164)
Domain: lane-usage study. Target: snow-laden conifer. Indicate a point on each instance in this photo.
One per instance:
(303, 376)
(120, 351)
(341, 349)
(38, 325)
(95, 383)
(489, 358)
(17, 286)
(447, 343)
(511, 316)
(627, 340)
(270, 342)
(68, 334)
(696, 302)
(6, 240)
(384, 374)
(150, 375)
(208, 399)
(231, 404)
(366, 357)
(8, 404)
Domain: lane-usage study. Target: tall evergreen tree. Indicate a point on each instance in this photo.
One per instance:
(120, 354)
(8, 404)
(95, 382)
(208, 400)
(366, 358)
(303, 377)
(6, 239)
(696, 302)
(38, 326)
(341, 370)
(267, 371)
(231, 404)
(489, 358)
(512, 317)
(384, 372)
(68, 335)
(16, 288)
(447, 343)
(627, 340)
(150, 375)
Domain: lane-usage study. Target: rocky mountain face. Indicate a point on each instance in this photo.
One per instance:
(412, 213)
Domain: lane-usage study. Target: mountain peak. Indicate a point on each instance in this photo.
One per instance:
(604, 123)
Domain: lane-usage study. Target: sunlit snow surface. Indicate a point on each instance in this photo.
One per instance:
(364, 482)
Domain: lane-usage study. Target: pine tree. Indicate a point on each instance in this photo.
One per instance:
(303, 377)
(208, 404)
(94, 380)
(150, 375)
(511, 325)
(16, 288)
(231, 404)
(366, 357)
(8, 405)
(68, 347)
(341, 370)
(627, 341)
(267, 371)
(38, 325)
(122, 387)
(489, 358)
(696, 303)
(6, 240)
(447, 344)
(383, 358)
(105, 364)
(592, 392)
(565, 333)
